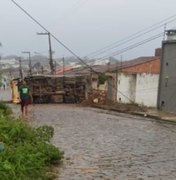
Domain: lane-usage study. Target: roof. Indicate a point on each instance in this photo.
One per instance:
(113, 67)
(61, 70)
(41, 76)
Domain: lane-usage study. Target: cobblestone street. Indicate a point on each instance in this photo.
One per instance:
(98, 145)
(5, 95)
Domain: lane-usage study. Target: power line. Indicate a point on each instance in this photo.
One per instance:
(44, 28)
(118, 52)
(134, 36)
(61, 43)
(124, 42)
(133, 46)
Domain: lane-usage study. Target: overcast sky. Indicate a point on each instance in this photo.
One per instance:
(83, 25)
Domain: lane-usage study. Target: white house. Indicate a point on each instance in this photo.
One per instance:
(138, 82)
(140, 88)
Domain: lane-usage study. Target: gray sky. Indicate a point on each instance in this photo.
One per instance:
(83, 25)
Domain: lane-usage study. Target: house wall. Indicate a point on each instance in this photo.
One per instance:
(94, 81)
(126, 88)
(112, 86)
(141, 88)
(152, 66)
(103, 87)
(94, 84)
(147, 89)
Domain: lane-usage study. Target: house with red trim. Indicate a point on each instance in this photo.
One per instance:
(139, 82)
(135, 81)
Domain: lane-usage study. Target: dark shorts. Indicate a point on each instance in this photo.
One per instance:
(25, 102)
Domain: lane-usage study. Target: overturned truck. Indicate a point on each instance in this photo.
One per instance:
(59, 89)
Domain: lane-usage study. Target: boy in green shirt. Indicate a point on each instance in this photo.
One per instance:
(25, 97)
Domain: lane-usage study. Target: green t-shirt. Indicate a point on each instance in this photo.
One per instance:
(24, 92)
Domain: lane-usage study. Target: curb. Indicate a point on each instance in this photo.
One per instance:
(158, 118)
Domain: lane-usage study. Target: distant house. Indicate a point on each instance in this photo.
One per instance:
(61, 70)
(135, 81)
(138, 82)
(128, 81)
(9, 63)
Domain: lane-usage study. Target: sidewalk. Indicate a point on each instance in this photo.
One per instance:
(140, 111)
(154, 113)
(5, 95)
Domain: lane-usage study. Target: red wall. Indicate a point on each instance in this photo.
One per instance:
(152, 66)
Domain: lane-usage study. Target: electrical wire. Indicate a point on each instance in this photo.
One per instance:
(68, 49)
(59, 41)
(134, 46)
(133, 36)
(54, 37)
(131, 46)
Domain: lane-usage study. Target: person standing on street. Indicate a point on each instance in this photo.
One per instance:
(25, 97)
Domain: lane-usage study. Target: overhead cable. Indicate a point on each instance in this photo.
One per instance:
(133, 36)
(115, 53)
(59, 41)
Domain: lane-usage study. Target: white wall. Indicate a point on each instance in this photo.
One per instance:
(103, 87)
(147, 89)
(94, 84)
(126, 87)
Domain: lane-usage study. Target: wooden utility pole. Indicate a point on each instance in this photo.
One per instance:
(121, 63)
(50, 52)
(20, 69)
(116, 80)
(42, 70)
(63, 65)
(164, 35)
(30, 63)
(63, 73)
(51, 55)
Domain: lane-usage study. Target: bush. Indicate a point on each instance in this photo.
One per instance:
(102, 78)
(27, 153)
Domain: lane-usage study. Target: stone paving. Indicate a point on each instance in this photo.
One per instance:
(5, 95)
(98, 145)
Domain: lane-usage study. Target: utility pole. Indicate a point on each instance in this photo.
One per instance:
(30, 63)
(164, 35)
(42, 70)
(50, 51)
(116, 80)
(55, 67)
(121, 62)
(63, 65)
(20, 69)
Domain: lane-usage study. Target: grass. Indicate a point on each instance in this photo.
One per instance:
(26, 152)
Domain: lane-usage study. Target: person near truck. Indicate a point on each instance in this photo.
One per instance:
(25, 96)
